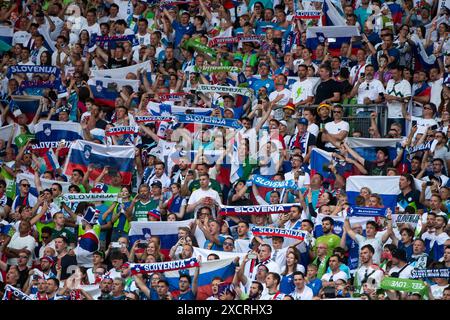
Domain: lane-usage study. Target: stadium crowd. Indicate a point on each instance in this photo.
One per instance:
(224, 150)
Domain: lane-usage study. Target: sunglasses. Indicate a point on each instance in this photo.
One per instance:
(337, 111)
(228, 244)
(25, 185)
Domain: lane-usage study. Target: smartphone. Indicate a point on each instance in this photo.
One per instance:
(142, 245)
(329, 292)
(115, 245)
(434, 127)
(429, 183)
(362, 74)
(252, 256)
(277, 41)
(414, 123)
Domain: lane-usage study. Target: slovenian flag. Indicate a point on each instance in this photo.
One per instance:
(367, 147)
(6, 34)
(318, 35)
(55, 131)
(385, 186)
(83, 153)
(27, 104)
(88, 243)
(166, 231)
(320, 160)
(223, 268)
(106, 90)
(331, 15)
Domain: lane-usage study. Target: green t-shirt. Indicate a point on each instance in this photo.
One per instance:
(96, 228)
(69, 235)
(39, 225)
(213, 184)
(331, 240)
(141, 210)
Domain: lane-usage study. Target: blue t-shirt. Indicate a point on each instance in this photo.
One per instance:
(255, 84)
(214, 245)
(315, 286)
(186, 296)
(287, 284)
(181, 30)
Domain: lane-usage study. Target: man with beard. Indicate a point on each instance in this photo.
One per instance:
(106, 286)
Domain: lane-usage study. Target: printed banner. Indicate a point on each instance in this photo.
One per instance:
(277, 232)
(117, 131)
(265, 182)
(145, 119)
(406, 285)
(120, 73)
(430, 273)
(308, 14)
(255, 210)
(366, 212)
(406, 218)
(240, 38)
(34, 69)
(430, 145)
(175, 97)
(211, 121)
(11, 291)
(35, 84)
(199, 47)
(224, 89)
(89, 197)
(146, 268)
(213, 69)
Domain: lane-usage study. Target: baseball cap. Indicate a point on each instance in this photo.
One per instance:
(324, 105)
(289, 106)
(303, 121)
(283, 122)
(156, 183)
(238, 57)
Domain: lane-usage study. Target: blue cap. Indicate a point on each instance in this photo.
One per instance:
(303, 121)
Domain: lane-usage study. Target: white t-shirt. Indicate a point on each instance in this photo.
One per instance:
(313, 129)
(369, 90)
(436, 89)
(125, 8)
(335, 277)
(21, 37)
(301, 90)
(400, 89)
(95, 28)
(335, 128)
(405, 274)
(201, 194)
(306, 294)
(302, 180)
(18, 242)
(438, 291)
(376, 243)
(278, 109)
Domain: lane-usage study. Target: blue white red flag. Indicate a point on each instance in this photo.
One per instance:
(83, 153)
